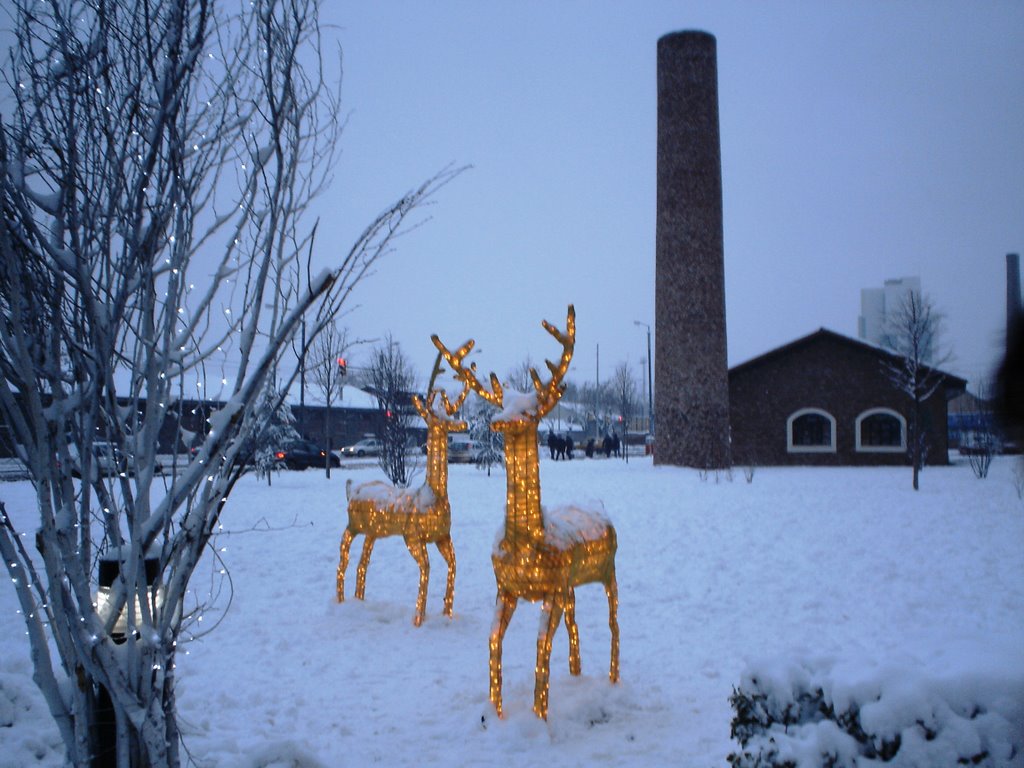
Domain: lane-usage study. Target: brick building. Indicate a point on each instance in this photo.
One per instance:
(826, 399)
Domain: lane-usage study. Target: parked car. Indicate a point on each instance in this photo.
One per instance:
(368, 446)
(303, 454)
(463, 450)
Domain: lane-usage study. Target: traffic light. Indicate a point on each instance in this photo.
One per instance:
(342, 367)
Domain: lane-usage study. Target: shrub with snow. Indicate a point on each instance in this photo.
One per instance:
(820, 712)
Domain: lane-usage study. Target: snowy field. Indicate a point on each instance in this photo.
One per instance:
(713, 573)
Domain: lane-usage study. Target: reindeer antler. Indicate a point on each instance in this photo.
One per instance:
(494, 396)
(438, 370)
(450, 408)
(549, 394)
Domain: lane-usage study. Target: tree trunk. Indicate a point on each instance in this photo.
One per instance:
(327, 438)
(97, 244)
(916, 443)
(118, 740)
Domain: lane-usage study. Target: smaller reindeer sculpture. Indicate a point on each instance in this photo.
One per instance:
(543, 553)
(419, 515)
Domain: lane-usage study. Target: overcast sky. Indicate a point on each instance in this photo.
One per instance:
(860, 141)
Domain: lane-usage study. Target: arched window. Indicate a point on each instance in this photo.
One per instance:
(811, 430)
(881, 430)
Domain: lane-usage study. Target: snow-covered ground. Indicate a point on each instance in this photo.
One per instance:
(713, 573)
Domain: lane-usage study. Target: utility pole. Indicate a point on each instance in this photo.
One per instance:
(302, 379)
(650, 380)
(597, 390)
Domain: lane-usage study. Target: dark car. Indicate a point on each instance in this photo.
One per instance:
(303, 454)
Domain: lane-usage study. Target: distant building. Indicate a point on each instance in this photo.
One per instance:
(826, 399)
(876, 303)
(355, 415)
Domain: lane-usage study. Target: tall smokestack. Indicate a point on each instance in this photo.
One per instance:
(1012, 290)
(691, 402)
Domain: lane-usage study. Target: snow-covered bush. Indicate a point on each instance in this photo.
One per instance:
(797, 713)
(492, 444)
(277, 432)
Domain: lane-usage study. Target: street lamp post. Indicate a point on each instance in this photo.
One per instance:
(650, 387)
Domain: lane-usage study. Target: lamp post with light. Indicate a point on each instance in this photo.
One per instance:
(650, 387)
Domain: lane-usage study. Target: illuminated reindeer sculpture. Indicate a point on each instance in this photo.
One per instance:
(419, 515)
(544, 553)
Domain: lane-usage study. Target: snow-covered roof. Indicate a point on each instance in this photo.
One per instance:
(354, 397)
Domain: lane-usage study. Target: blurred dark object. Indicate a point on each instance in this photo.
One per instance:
(1010, 383)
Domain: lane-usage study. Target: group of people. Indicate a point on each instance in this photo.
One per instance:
(562, 447)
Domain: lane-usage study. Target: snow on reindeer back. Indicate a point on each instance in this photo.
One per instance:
(395, 499)
(573, 524)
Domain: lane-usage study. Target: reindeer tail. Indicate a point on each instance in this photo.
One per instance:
(348, 489)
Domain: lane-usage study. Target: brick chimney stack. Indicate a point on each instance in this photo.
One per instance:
(691, 400)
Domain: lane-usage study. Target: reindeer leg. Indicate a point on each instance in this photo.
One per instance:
(364, 563)
(346, 543)
(447, 550)
(574, 632)
(418, 549)
(612, 590)
(550, 615)
(506, 606)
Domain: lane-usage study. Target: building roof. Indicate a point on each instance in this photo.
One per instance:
(824, 334)
(354, 397)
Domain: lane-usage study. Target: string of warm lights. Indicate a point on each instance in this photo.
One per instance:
(421, 515)
(543, 554)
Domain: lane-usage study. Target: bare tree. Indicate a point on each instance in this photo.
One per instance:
(982, 441)
(329, 375)
(518, 377)
(392, 381)
(627, 398)
(598, 402)
(913, 333)
(156, 160)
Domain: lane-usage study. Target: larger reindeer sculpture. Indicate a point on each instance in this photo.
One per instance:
(544, 553)
(419, 515)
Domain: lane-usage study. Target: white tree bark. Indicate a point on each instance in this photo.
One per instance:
(155, 165)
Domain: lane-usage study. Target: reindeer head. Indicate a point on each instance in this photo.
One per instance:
(438, 410)
(518, 409)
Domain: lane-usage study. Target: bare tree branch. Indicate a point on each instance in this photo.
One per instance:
(392, 381)
(156, 163)
(913, 333)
